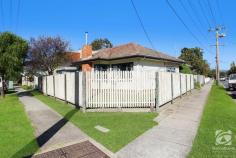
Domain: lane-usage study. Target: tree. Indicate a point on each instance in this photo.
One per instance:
(47, 53)
(232, 68)
(194, 58)
(13, 50)
(185, 69)
(101, 43)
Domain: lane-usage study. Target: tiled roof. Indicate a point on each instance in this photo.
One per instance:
(128, 51)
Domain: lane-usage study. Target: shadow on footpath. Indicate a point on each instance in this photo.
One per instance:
(45, 136)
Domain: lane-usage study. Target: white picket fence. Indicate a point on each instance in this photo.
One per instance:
(133, 89)
(62, 86)
(119, 89)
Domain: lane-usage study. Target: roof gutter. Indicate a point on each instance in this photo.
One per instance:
(127, 57)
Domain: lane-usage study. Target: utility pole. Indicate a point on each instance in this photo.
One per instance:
(218, 35)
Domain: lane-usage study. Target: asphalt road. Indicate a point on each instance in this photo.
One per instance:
(231, 92)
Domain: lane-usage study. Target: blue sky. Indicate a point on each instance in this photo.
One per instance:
(116, 20)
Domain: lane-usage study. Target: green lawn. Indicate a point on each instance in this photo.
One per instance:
(219, 114)
(16, 133)
(124, 127)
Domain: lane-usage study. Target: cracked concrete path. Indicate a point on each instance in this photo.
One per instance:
(173, 136)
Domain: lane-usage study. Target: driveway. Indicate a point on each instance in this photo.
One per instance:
(174, 135)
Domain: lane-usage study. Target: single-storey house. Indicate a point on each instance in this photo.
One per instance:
(129, 57)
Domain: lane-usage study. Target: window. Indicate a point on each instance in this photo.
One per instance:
(232, 77)
(101, 67)
(123, 66)
(170, 69)
(118, 67)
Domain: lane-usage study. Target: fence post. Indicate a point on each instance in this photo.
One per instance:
(180, 81)
(186, 84)
(84, 91)
(172, 89)
(157, 91)
(46, 85)
(54, 92)
(190, 83)
(65, 88)
(77, 89)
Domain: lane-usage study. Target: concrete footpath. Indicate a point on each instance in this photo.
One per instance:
(51, 129)
(173, 136)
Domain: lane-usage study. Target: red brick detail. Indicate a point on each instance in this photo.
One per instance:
(87, 67)
(75, 57)
(86, 51)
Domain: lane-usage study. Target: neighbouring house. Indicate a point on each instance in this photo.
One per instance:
(29, 80)
(66, 67)
(128, 57)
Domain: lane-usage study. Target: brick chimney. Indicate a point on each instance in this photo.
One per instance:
(86, 53)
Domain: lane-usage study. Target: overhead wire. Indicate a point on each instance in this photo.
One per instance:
(142, 25)
(204, 13)
(192, 19)
(18, 14)
(2, 20)
(212, 14)
(185, 25)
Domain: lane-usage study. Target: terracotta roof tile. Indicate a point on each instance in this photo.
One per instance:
(129, 50)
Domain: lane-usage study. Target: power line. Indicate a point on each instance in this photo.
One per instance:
(203, 13)
(220, 12)
(18, 14)
(10, 14)
(192, 19)
(142, 25)
(182, 21)
(186, 26)
(195, 12)
(211, 11)
(2, 14)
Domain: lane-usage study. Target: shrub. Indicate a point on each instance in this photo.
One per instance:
(197, 85)
(25, 87)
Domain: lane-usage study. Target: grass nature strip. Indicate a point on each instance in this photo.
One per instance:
(219, 116)
(124, 127)
(16, 133)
